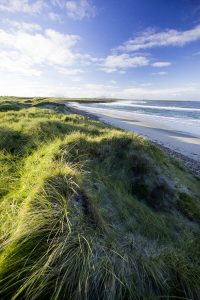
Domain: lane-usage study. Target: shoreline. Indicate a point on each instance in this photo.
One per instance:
(189, 163)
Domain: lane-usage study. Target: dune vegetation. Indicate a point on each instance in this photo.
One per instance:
(88, 211)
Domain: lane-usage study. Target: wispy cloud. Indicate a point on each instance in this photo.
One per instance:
(123, 62)
(151, 39)
(25, 6)
(54, 17)
(77, 9)
(160, 64)
(146, 84)
(70, 71)
(80, 9)
(162, 73)
(22, 26)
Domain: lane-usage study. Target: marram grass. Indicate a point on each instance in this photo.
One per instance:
(91, 212)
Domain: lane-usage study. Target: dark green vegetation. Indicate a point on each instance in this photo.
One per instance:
(91, 212)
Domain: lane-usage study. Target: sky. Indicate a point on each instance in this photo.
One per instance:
(127, 49)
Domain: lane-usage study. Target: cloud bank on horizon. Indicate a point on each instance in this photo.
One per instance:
(85, 48)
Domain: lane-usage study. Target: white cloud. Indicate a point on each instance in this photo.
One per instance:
(146, 84)
(23, 26)
(113, 82)
(160, 64)
(27, 51)
(54, 17)
(25, 6)
(80, 9)
(151, 39)
(77, 9)
(162, 73)
(70, 72)
(122, 62)
(87, 59)
(12, 61)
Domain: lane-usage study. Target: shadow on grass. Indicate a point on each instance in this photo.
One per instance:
(48, 130)
(13, 141)
(10, 105)
(125, 159)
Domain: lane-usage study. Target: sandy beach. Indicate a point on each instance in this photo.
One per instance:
(169, 136)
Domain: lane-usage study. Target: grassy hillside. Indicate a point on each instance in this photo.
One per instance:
(91, 212)
(16, 103)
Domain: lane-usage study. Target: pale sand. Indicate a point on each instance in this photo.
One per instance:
(163, 134)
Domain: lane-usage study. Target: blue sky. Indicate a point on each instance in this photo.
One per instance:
(136, 49)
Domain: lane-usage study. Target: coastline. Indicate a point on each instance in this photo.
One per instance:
(192, 165)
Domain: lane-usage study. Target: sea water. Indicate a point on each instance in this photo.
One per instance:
(179, 115)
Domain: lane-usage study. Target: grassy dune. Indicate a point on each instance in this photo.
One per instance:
(91, 212)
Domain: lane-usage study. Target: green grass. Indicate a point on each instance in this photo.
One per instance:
(91, 212)
(6, 102)
(189, 207)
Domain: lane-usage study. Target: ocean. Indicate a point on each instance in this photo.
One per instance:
(179, 115)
